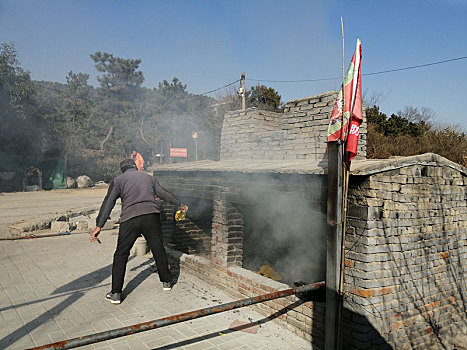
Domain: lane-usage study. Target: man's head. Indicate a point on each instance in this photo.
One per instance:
(127, 164)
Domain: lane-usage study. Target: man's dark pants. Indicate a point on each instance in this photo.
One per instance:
(149, 226)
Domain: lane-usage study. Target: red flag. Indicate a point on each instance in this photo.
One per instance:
(338, 128)
(356, 106)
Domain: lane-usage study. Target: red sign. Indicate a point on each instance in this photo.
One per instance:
(178, 152)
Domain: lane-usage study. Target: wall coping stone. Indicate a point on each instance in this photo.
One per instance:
(291, 103)
(372, 166)
(249, 166)
(359, 166)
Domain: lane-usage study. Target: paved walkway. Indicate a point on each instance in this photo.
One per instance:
(53, 288)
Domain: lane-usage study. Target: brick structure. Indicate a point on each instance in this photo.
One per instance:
(227, 235)
(406, 248)
(405, 283)
(236, 189)
(189, 236)
(297, 134)
(305, 318)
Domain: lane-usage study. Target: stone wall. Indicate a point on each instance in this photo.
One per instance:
(251, 134)
(406, 248)
(297, 133)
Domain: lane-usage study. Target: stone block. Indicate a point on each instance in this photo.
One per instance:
(82, 225)
(60, 226)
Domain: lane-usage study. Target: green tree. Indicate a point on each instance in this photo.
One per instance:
(264, 97)
(376, 118)
(395, 125)
(411, 132)
(173, 114)
(119, 76)
(71, 126)
(117, 114)
(20, 128)
(16, 89)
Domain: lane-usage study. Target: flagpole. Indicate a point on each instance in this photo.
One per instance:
(339, 159)
(343, 68)
(334, 228)
(345, 182)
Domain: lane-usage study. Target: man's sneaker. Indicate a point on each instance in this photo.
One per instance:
(114, 298)
(166, 285)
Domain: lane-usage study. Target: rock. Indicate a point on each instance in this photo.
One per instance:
(59, 226)
(82, 226)
(70, 182)
(84, 181)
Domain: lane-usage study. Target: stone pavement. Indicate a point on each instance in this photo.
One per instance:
(53, 289)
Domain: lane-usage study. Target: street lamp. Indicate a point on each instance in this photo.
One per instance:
(194, 134)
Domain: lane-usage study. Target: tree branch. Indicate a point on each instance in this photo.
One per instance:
(142, 134)
(109, 133)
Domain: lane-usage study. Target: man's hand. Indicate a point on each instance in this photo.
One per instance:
(94, 234)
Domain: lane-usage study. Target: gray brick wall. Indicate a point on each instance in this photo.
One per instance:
(297, 133)
(406, 246)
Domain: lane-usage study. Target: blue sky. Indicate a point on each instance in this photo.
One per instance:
(207, 44)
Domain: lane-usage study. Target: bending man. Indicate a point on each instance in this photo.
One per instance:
(140, 215)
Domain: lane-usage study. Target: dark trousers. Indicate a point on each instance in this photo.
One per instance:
(149, 226)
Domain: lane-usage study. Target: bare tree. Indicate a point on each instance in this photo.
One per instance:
(415, 115)
(373, 98)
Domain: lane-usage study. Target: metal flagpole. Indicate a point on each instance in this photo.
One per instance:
(334, 234)
(345, 184)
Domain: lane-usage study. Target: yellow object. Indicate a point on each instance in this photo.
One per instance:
(267, 271)
(180, 215)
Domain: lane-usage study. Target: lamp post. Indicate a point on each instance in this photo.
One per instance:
(194, 134)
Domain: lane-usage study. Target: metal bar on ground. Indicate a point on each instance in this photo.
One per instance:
(166, 321)
(33, 236)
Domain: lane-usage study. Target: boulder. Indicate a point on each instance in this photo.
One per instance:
(70, 182)
(84, 181)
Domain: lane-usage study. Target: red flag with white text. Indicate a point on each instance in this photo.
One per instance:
(338, 128)
(356, 106)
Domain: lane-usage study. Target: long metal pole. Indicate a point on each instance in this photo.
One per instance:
(167, 321)
(345, 175)
(335, 232)
(242, 84)
(343, 63)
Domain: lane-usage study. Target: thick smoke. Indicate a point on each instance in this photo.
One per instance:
(285, 229)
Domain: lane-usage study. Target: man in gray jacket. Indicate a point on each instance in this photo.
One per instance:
(140, 215)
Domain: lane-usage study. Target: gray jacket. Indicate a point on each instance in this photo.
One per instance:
(137, 191)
